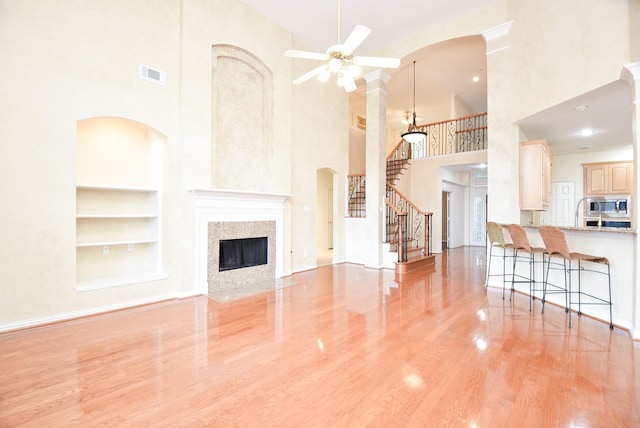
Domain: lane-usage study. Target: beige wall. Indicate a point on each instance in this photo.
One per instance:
(68, 61)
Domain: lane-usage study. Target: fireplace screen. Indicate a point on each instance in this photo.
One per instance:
(241, 253)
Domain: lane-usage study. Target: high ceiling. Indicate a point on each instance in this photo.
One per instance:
(445, 69)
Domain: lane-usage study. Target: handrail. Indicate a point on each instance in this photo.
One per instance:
(395, 210)
(419, 221)
(453, 120)
(407, 200)
(401, 232)
(396, 148)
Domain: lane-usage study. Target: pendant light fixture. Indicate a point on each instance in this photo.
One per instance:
(413, 134)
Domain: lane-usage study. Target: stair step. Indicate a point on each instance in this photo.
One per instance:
(415, 263)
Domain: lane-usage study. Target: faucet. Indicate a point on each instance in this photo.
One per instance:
(599, 210)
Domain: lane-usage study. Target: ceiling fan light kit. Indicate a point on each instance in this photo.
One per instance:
(339, 60)
(413, 134)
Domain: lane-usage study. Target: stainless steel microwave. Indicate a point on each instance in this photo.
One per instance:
(609, 206)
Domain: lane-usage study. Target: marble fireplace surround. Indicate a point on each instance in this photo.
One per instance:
(257, 210)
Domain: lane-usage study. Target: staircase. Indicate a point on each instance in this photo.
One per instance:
(407, 228)
(408, 232)
(357, 195)
(395, 168)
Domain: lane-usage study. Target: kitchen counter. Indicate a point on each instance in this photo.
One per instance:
(595, 229)
(617, 244)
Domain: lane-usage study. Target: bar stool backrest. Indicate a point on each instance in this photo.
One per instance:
(519, 237)
(494, 230)
(555, 241)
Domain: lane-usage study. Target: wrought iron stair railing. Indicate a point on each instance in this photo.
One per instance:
(408, 228)
(357, 205)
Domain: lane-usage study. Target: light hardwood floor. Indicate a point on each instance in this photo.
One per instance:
(347, 347)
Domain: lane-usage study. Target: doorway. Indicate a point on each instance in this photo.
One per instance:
(561, 205)
(446, 219)
(324, 217)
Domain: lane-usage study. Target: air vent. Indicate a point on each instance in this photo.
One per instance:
(153, 75)
(362, 123)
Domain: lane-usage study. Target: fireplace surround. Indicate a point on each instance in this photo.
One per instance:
(228, 214)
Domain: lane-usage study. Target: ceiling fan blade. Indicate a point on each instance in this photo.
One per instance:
(310, 74)
(375, 61)
(356, 37)
(306, 55)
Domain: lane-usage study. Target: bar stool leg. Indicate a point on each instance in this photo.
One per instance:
(486, 281)
(504, 270)
(610, 301)
(569, 295)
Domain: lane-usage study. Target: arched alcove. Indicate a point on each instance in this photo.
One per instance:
(118, 185)
(241, 120)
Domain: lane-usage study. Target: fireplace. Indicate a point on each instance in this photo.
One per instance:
(223, 215)
(242, 253)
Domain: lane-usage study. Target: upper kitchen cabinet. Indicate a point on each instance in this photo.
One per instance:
(535, 175)
(608, 178)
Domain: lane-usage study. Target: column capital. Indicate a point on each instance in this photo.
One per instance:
(631, 72)
(495, 38)
(377, 75)
(497, 31)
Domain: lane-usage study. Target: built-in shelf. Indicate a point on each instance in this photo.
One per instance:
(118, 204)
(117, 236)
(114, 188)
(113, 243)
(91, 216)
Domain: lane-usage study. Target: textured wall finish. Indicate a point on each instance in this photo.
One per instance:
(238, 278)
(242, 106)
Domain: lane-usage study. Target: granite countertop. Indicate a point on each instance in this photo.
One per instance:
(593, 229)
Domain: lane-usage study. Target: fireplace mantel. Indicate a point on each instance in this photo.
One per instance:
(218, 205)
(236, 197)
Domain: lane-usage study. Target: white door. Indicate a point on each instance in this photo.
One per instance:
(561, 205)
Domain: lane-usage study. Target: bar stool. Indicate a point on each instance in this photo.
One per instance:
(521, 244)
(556, 243)
(496, 239)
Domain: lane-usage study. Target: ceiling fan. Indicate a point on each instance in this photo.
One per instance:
(339, 59)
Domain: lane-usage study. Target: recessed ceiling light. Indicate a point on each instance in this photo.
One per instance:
(582, 107)
(476, 79)
(586, 132)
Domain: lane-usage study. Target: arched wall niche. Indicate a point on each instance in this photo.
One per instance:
(119, 181)
(242, 120)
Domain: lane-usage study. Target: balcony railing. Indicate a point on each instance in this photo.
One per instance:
(465, 134)
(461, 135)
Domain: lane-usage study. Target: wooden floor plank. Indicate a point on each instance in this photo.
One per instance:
(345, 347)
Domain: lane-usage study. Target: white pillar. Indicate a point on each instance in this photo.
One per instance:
(631, 74)
(503, 153)
(376, 139)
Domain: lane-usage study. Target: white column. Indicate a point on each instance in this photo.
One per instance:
(376, 174)
(631, 74)
(503, 153)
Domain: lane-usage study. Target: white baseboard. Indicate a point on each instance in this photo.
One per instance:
(65, 316)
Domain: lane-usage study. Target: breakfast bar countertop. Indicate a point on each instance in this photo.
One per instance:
(624, 230)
